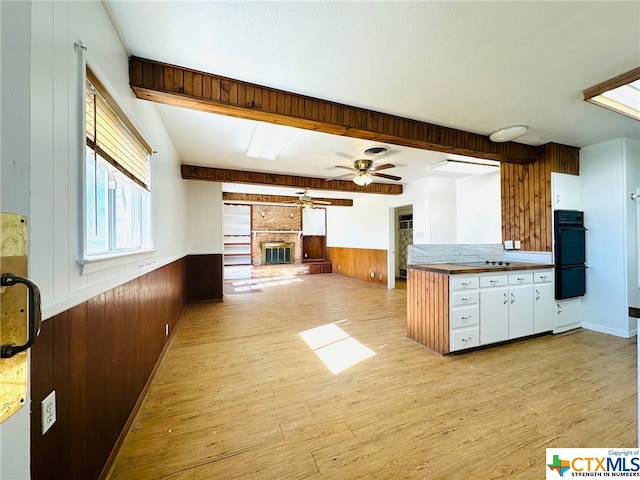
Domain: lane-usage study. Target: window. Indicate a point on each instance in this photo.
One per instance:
(116, 184)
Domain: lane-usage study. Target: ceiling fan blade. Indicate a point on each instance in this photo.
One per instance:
(383, 167)
(321, 202)
(384, 175)
(346, 168)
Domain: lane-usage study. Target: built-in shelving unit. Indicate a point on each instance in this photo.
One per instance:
(237, 242)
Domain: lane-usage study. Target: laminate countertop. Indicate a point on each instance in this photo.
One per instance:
(480, 267)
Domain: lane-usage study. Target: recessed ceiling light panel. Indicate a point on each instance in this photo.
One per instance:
(620, 94)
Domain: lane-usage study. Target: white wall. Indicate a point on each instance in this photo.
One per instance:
(609, 172)
(478, 209)
(56, 142)
(204, 217)
(15, 31)
(41, 144)
(367, 223)
(445, 211)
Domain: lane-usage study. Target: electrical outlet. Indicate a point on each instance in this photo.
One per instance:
(339, 267)
(373, 274)
(516, 244)
(48, 406)
(380, 276)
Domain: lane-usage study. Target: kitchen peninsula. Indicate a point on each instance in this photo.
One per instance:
(461, 305)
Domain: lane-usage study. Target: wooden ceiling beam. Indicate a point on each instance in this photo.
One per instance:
(192, 172)
(258, 198)
(184, 87)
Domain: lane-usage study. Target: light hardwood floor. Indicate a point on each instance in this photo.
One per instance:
(240, 395)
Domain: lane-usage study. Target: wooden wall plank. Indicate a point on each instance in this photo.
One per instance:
(526, 196)
(359, 263)
(428, 309)
(204, 277)
(98, 357)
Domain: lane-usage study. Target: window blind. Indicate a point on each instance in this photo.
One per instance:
(113, 136)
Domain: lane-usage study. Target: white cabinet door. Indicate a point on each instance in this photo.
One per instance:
(520, 311)
(565, 190)
(568, 314)
(494, 314)
(543, 301)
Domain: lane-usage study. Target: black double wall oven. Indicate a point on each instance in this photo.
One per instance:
(569, 253)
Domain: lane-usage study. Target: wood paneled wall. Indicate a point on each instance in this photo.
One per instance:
(98, 356)
(526, 195)
(204, 277)
(359, 263)
(428, 309)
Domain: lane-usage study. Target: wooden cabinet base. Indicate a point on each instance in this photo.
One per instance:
(320, 267)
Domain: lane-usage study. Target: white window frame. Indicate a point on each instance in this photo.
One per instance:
(114, 256)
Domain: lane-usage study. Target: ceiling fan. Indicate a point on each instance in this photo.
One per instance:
(365, 171)
(305, 201)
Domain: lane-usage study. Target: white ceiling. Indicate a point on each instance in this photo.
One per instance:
(475, 66)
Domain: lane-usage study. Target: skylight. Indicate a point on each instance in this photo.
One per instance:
(620, 94)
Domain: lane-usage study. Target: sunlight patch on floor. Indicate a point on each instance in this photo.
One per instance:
(262, 283)
(335, 347)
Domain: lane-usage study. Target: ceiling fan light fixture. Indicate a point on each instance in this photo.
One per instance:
(362, 179)
(508, 133)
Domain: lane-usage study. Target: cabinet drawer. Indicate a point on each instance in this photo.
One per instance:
(464, 298)
(465, 316)
(518, 278)
(462, 283)
(493, 281)
(465, 338)
(543, 277)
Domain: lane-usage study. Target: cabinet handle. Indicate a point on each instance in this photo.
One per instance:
(465, 284)
(506, 299)
(465, 299)
(543, 277)
(520, 279)
(493, 281)
(537, 294)
(466, 339)
(513, 299)
(466, 317)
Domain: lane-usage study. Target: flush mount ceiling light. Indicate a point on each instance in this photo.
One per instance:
(620, 94)
(363, 179)
(268, 140)
(466, 165)
(507, 134)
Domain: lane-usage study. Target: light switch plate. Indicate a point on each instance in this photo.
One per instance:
(508, 244)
